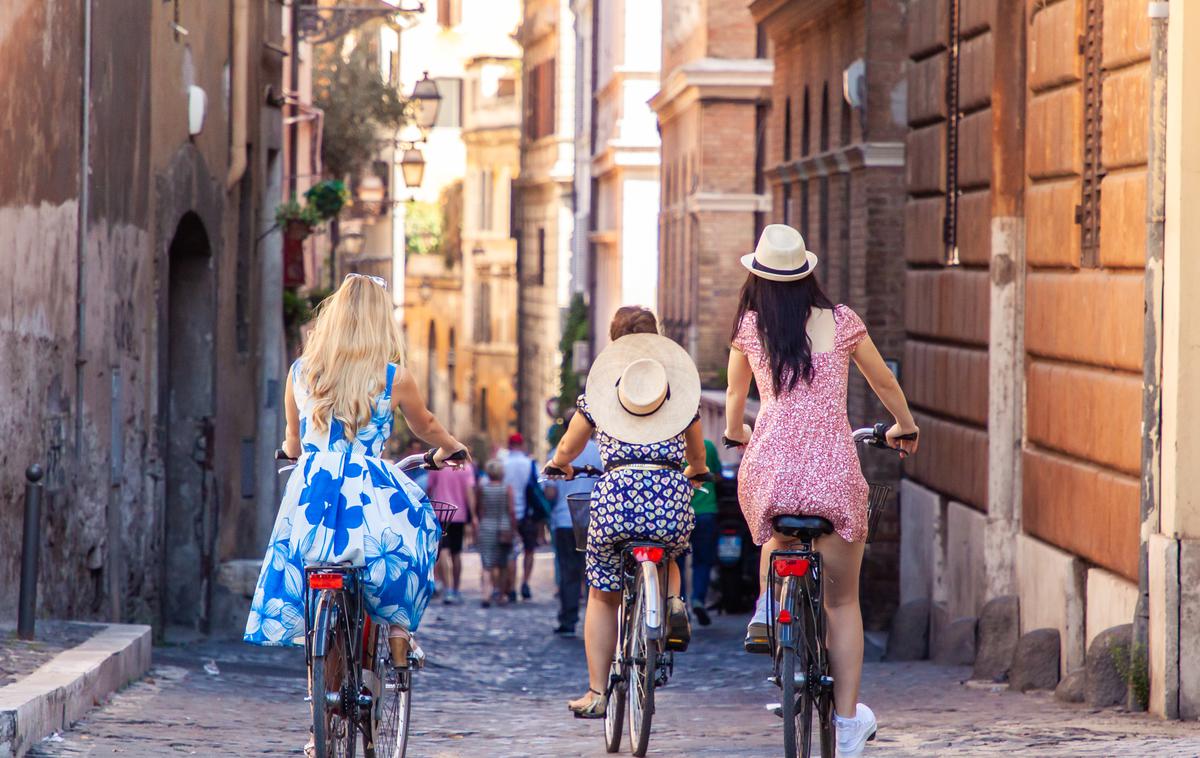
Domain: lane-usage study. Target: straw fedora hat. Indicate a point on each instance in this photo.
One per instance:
(643, 388)
(780, 255)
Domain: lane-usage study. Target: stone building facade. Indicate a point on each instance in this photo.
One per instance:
(142, 347)
(1039, 338)
(712, 110)
(835, 170)
(544, 210)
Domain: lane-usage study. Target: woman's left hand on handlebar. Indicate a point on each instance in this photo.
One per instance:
(906, 447)
(697, 483)
(442, 457)
(568, 471)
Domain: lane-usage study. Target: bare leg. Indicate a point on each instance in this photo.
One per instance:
(844, 637)
(673, 579)
(528, 559)
(455, 570)
(600, 637)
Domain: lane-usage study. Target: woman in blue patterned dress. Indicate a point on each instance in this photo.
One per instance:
(343, 503)
(643, 393)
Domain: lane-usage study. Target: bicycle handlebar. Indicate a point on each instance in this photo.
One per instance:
(553, 472)
(423, 460)
(875, 436)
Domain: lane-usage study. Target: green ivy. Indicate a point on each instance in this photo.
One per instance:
(570, 383)
(1133, 667)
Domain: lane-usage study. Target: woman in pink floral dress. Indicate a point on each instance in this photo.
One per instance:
(800, 459)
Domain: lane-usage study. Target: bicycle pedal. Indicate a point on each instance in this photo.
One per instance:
(776, 708)
(757, 646)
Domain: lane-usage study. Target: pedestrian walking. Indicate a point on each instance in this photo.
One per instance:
(641, 403)
(495, 514)
(343, 502)
(457, 487)
(800, 459)
(566, 553)
(521, 474)
(704, 537)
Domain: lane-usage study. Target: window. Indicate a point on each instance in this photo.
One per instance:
(483, 313)
(787, 129)
(806, 127)
(825, 117)
(486, 193)
(450, 110)
(787, 204)
(803, 225)
(483, 410)
(539, 100)
(449, 13)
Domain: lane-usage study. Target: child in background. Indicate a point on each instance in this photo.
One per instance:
(497, 520)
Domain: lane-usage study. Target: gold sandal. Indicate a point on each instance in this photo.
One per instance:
(594, 709)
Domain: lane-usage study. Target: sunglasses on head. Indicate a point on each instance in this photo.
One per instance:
(377, 279)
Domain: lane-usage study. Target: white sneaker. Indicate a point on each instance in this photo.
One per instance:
(760, 611)
(853, 733)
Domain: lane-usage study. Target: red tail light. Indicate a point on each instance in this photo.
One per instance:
(791, 566)
(325, 581)
(648, 554)
(785, 616)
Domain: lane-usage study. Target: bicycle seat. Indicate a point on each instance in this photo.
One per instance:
(803, 527)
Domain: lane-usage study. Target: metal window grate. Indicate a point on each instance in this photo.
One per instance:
(1087, 214)
(950, 221)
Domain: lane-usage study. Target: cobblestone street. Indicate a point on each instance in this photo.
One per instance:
(498, 680)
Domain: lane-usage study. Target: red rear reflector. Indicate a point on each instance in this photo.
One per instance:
(785, 616)
(325, 581)
(648, 554)
(791, 566)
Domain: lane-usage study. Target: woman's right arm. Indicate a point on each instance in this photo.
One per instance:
(291, 437)
(735, 396)
(573, 441)
(407, 397)
(883, 382)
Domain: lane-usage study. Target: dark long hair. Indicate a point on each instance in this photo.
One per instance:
(782, 310)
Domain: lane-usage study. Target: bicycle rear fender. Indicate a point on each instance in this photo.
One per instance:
(326, 618)
(654, 625)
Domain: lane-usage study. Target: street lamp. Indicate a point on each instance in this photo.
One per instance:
(425, 94)
(413, 167)
(353, 242)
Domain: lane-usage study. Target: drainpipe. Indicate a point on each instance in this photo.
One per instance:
(241, 78)
(81, 232)
(1156, 169)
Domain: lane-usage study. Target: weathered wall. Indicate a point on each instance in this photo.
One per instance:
(104, 437)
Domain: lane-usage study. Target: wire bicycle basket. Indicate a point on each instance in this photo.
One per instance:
(580, 505)
(877, 498)
(443, 510)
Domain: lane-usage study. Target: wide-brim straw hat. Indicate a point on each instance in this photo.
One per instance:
(643, 388)
(780, 255)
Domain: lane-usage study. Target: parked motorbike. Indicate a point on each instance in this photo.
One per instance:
(737, 555)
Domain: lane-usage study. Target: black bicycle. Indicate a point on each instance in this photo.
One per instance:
(642, 660)
(357, 689)
(796, 632)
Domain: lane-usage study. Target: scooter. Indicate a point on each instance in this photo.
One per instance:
(737, 555)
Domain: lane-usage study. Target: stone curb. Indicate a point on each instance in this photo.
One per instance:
(64, 689)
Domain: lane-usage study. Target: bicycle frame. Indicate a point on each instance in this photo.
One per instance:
(785, 588)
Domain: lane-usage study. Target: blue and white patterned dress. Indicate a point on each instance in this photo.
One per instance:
(343, 503)
(636, 504)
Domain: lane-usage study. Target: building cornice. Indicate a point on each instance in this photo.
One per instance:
(712, 79)
(777, 16)
(618, 155)
(840, 161)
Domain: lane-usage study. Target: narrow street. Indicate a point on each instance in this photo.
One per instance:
(498, 680)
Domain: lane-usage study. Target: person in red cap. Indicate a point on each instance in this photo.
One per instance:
(520, 473)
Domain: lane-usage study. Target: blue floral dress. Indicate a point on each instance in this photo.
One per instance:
(636, 504)
(344, 504)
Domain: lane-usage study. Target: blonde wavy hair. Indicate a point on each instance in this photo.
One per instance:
(354, 336)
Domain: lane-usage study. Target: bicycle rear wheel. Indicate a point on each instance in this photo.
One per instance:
(642, 674)
(614, 714)
(395, 703)
(333, 682)
(796, 695)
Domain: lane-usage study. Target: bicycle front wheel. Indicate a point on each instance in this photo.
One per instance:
(332, 682)
(395, 703)
(642, 672)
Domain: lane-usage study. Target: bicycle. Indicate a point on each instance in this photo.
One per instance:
(642, 657)
(352, 693)
(796, 634)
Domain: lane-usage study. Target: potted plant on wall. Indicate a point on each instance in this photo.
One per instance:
(296, 220)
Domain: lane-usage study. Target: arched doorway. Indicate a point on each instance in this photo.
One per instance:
(189, 520)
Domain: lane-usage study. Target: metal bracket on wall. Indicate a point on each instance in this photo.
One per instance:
(1087, 215)
(950, 221)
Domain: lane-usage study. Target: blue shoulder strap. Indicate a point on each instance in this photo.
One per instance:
(391, 377)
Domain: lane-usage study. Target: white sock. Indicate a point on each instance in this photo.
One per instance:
(760, 610)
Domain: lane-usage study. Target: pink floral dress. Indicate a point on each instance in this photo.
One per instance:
(801, 458)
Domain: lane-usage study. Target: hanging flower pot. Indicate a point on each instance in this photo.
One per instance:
(297, 229)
